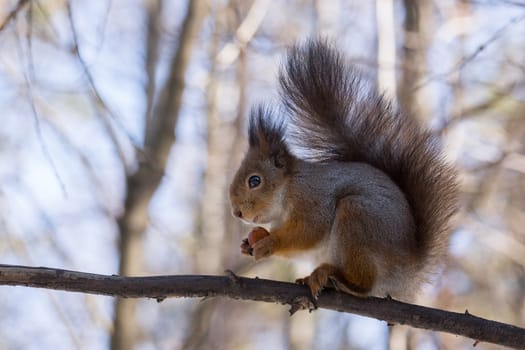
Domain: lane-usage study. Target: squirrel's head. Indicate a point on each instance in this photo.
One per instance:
(259, 186)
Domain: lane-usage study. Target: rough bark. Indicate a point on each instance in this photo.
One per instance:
(232, 286)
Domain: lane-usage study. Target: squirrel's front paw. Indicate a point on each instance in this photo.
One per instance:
(263, 248)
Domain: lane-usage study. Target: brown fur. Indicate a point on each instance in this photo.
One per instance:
(370, 197)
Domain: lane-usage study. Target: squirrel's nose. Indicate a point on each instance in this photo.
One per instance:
(237, 213)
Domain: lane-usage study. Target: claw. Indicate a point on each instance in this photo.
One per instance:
(318, 280)
(246, 249)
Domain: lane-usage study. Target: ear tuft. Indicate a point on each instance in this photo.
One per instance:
(266, 133)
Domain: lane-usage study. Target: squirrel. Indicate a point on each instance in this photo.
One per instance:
(366, 192)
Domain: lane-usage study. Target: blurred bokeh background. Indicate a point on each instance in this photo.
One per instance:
(122, 122)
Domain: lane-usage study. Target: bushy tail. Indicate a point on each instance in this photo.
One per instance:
(342, 118)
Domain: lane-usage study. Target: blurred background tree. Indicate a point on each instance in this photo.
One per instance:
(123, 121)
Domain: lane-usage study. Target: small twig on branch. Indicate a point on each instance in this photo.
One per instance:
(231, 286)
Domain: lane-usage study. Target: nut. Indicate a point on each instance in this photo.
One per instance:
(256, 235)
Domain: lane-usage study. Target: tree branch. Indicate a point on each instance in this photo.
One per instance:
(232, 286)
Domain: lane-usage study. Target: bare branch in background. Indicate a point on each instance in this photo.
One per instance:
(36, 118)
(297, 296)
(514, 3)
(12, 15)
(95, 93)
(465, 60)
(141, 185)
(417, 26)
(386, 47)
(214, 230)
(90, 170)
(244, 33)
(160, 134)
(479, 109)
(154, 9)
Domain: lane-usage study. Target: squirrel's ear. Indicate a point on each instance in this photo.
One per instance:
(266, 134)
(281, 158)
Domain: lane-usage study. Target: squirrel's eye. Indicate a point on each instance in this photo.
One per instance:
(254, 181)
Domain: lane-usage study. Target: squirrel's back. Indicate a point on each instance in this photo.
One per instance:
(342, 118)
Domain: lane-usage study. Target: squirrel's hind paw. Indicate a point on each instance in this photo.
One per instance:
(317, 281)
